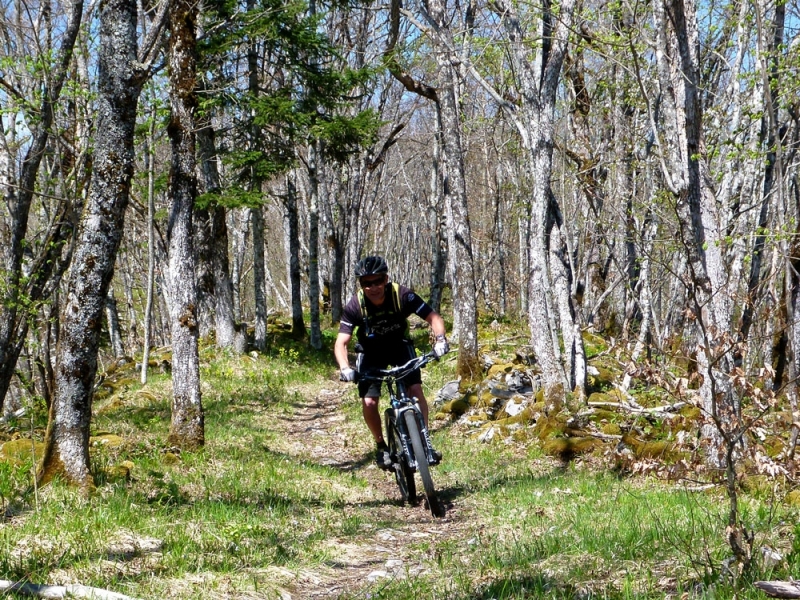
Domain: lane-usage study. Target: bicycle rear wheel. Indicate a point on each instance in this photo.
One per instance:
(421, 456)
(403, 474)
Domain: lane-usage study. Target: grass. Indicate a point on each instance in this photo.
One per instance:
(251, 516)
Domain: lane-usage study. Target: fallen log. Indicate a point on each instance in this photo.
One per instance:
(667, 411)
(607, 437)
(779, 589)
(54, 592)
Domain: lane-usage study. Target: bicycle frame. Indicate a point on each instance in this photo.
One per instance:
(409, 438)
(401, 403)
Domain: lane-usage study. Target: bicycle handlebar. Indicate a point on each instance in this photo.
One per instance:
(396, 372)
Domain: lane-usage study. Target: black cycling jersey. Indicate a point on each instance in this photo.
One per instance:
(387, 326)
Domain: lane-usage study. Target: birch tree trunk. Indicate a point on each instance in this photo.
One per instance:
(225, 327)
(313, 246)
(292, 223)
(645, 296)
(257, 213)
(187, 429)
(537, 80)
(151, 249)
(228, 332)
(204, 264)
(112, 320)
(679, 78)
(203, 224)
(459, 236)
(121, 75)
(238, 229)
(259, 278)
(500, 216)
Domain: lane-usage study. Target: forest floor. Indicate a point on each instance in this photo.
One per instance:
(285, 502)
(317, 430)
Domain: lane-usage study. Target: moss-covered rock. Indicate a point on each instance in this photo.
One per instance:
(485, 400)
(479, 417)
(21, 451)
(593, 344)
(170, 458)
(600, 379)
(455, 407)
(612, 396)
(792, 498)
(692, 412)
(689, 419)
(601, 414)
(525, 416)
(569, 447)
(121, 471)
(499, 369)
(651, 449)
(549, 426)
(773, 446)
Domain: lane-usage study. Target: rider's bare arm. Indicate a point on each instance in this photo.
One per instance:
(340, 350)
(436, 322)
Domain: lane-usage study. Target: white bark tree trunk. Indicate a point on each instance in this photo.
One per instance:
(187, 427)
(151, 249)
(459, 236)
(121, 76)
(538, 74)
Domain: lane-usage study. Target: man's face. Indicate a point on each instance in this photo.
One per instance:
(374, 287)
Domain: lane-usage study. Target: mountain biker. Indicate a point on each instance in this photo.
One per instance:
(378, 314)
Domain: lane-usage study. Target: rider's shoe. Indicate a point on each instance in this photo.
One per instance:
(383, 458)
(437, 457)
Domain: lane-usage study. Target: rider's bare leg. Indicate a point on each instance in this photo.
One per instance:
(372, 417)
(415, 391)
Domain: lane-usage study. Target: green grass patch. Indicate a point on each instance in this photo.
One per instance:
(248, 516)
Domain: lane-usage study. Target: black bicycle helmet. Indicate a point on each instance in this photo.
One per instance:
(371, 265)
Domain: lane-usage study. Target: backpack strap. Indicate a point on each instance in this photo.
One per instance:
(396, 296)
(362, 302)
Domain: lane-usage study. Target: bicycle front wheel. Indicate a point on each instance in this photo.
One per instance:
(403, 474)
(421, 455)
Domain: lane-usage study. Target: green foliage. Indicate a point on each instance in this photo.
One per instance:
(344, 135)
(231, 198)
(15, 478)
(305, 92)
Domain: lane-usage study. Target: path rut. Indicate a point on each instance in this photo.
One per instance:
(316, 430)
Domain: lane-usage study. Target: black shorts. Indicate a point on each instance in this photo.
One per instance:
(394, 355)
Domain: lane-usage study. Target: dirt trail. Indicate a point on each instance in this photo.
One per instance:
(316, 430)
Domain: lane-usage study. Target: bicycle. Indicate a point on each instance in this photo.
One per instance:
(406, 434)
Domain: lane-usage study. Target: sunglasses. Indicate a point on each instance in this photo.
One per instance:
(367, 283)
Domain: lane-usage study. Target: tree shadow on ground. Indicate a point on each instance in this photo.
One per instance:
(522, 586)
